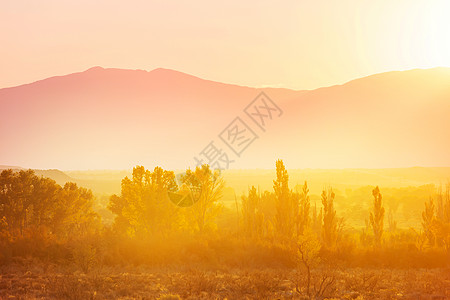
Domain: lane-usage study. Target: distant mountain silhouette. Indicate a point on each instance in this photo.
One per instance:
(57, 175)
(115, 118)
(15, 168)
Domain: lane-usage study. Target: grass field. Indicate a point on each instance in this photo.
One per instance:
(30, 280)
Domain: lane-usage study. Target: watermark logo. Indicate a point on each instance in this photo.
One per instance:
(184, 197)
(237, 136)
(216, 157)
(262, 110)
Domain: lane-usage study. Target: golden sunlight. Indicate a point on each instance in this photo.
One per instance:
(231, 149)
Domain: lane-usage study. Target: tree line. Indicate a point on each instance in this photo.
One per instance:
(157, 205)
(31, 205)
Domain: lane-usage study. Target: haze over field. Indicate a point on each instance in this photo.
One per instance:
(225, 149)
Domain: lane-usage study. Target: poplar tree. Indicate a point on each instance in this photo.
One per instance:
(329, 226)
(285, 208)
(377, 216)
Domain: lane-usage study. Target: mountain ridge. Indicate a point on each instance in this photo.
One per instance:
(176, 72)
(116, 118)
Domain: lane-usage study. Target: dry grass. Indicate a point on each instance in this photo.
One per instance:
(32, 280)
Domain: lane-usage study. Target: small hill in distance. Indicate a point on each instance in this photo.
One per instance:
(60, 177)
(404, 189)
(107, 182)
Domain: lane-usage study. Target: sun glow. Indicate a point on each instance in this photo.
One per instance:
(293, 44)
(434, 35)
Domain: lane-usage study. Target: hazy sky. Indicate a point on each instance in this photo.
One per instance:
(291, 43)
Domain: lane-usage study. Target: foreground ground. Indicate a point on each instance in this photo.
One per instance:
(36, 280)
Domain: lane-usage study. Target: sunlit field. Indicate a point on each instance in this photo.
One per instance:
(193, 235)
(225, 149)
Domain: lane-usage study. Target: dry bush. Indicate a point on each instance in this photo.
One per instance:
(265, 283)
(243, 253)
(150, 283)
(361, 282)
(85, 257)
(322, 283)
(69, 287)
(194, 283)
(169, 297)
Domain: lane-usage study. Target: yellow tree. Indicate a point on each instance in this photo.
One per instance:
(392, 222)
(29, 203)
(316, 222)
(73, 213)
(428, 219)
(377, 216)
(303, 215)
(437, 225)
(16, 191)
(329, 225)
(285, 216)
(206, 187)
(144, 207)
(252, 215)
(45, 199)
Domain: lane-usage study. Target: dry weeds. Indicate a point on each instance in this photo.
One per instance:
(31, 280)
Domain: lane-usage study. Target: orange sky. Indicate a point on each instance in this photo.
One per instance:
(294, 44)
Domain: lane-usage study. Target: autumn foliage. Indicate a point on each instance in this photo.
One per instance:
(164, 220)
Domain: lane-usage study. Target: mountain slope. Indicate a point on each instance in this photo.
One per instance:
(394, 119)
(114, 118)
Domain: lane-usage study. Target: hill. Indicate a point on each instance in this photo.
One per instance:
(114, 119)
